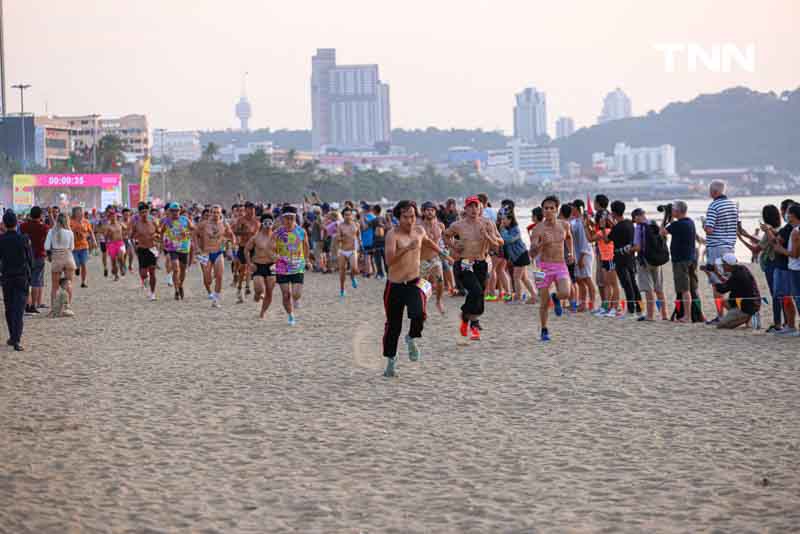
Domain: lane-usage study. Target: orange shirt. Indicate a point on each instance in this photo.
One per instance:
(81, 230)
(606, 249)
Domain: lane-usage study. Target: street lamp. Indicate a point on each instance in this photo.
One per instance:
(161, 131)
(94, 117)
(22, 87)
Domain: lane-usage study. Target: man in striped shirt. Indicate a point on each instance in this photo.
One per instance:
(722, 220)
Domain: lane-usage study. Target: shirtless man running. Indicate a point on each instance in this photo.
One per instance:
(211, 236)
(145, 234)
(245, 227)
(404, 288)
(260, 253)
(115, 244)
(129, 248)
(431, 268)
(548, 240)
(348, 236)
(476, 235)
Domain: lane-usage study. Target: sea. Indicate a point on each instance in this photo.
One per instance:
(749, 214)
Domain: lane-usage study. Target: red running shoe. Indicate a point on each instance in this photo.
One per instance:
(475, 334)
(464, 328)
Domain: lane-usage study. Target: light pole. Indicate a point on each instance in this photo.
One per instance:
(22, 87)
(94, 117)
(2, 64)
(160, 132)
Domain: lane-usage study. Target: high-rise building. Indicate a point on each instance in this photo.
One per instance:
(565, 126)
(530, 115)
(349, 105)
(178, 146)
(243, 109)
(616, 105)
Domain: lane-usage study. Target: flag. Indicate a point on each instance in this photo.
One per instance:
(144, 184)
(589, 208)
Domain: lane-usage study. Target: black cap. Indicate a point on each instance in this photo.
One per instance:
(286, 210)
(428, 204)
(10, 219)
(249, 204)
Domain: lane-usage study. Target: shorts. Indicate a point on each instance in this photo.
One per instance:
(264, 269)
(214, 256)
(553, 272)
(37, 273)
(146, 258)
(296, 278)
(240, 255)
(715, 253)
(103, 246)
(733, 317)
(347, 253)
(794, 277)
(684, 275)
(650, 278)
(81, 257)
(608, 265)
(182, 257)
(326, 245)
(571, 271)
(586, 270)
(115, 248)
(523, 260)
(431, 269)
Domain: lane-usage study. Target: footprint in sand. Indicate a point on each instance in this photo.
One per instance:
(367, 346)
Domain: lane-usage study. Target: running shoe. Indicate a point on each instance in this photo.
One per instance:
(474, 334)
(211, 296)
(341, 293)
(413, 350)
(105, 273)
(354, 282)
(713, 322)
(292, 321)
(490, 298)
(247, 290)
(610, 313)
(180, 290)
(84, 286)
(177, 295)
(599, 312)
(153, 297)
(545, 335)
(215, 304)
(390, 372)
(556, 305)
(508, 298)
(239, 297)
(786, 331)
(169, 280)
(464, 328)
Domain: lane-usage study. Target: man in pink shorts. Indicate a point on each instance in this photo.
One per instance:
(115, 232)
(551, 240)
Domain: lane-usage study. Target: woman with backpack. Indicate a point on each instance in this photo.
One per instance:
(651, 254)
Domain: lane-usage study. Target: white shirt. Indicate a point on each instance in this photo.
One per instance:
(63, 240)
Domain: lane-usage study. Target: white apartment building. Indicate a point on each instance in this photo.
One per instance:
(616, 105)
(628, 160)
(533, 161)
(530, 115)
(178, 145)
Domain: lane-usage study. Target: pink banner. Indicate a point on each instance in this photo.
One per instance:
(105, 181)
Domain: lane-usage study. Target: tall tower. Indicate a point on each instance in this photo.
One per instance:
(530, 115)
(243, 109)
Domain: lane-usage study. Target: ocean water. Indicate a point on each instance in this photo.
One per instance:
(749, 214)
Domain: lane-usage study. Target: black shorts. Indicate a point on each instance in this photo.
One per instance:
(240, 255)
(103, 246)
(571, 269)
(264, 269)
(523, 261)
(182, 257)
(296, 278)
(607, 265)
(326, 245)
(146, 258)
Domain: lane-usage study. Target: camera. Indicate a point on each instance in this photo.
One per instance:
(708, 268)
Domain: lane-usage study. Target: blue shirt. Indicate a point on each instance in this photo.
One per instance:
(681, 247)
(368, 234)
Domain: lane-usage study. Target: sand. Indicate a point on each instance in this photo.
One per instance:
(175, 417)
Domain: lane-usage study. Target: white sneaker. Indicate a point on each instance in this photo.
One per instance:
(169, 280)
(599, 312)
(610, 313)
(153, 296)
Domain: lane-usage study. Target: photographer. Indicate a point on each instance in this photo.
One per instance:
(739, 282)
(651, 252)
(622, 234)
(683, 254)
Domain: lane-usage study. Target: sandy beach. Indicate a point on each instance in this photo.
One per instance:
(167, 416)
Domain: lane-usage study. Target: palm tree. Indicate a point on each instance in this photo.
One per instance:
(210, 151)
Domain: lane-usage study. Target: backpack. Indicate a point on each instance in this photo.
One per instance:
(656, 252)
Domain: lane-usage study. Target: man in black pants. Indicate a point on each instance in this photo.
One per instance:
(404, 288)
(475, 235)
(622, 234)
(16, 258)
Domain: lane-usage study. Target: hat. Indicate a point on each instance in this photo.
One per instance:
(173, 206)
(428, 204)
(9, 219)
(472, 200)
(637, 212)
(729, 259)
(288, 210)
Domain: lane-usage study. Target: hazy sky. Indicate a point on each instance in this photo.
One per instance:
(449, 63)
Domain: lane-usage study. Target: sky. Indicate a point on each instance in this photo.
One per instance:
(449, 64)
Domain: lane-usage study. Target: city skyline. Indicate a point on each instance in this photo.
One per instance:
(186, 72)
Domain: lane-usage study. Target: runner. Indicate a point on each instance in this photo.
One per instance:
(292, 255)
(348, 234)
(260, 252)
(100, 224)
(245, 227)
(115, 244)
(145, 234)
(475, 235)
(431, 268)
(235, 215)
(129, 248)
(211, 236)
(403, 287)
(82, 231)
(177, 230)
(205, 215)
(548, 241)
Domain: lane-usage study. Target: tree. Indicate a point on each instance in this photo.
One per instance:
(110, 155)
